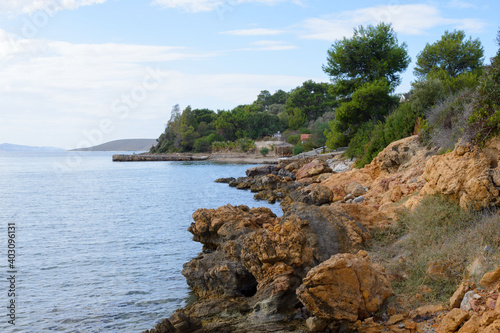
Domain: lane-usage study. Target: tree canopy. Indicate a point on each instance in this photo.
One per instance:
(453, 53)
(371, 54)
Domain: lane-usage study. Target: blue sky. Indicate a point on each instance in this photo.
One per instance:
(81, 72)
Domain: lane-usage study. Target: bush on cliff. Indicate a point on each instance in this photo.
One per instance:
(485, 120)
(372, 138)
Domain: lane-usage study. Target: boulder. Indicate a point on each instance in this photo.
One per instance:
(339, 165)
(466, 175)
(225, 180)
(212, 227)
(490, 278)
(215, 274)
(262, 170)
(315, 167)
(355, 189)
(459, 294)
(452, 321)
(345, 287)
(313, 194)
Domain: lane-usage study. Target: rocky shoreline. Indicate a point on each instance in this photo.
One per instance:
(309, 270)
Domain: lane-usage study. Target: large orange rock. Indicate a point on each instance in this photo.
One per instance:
(467, 175)
(315, 167)
(395, 174)
(345, 287)
(452, 321)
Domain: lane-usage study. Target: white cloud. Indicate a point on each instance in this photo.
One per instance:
(48, 6)
(195, 6)
(52, 92)
(254, 32)
(414, 19)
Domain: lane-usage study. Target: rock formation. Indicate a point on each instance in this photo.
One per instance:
(345, 287)
(306, 271)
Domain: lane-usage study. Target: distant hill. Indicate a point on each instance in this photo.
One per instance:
(12, 147)
(122, 145)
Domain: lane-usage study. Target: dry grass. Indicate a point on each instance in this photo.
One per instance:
(427, 253)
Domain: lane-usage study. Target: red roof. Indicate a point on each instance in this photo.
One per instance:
(304, 137)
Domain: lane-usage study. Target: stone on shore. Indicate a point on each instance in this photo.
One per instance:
(345, 287)
(315, 167)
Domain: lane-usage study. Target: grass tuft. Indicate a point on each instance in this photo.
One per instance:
(429, 249)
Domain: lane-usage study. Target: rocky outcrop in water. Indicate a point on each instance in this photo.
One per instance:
(258, 260)
(306, 271)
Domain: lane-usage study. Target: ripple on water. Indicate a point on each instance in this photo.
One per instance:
(101, 246)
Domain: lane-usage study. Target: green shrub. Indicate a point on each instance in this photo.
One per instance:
(485, 120)
(372, 138)
(246, 145)
(264, 151)
(447, 121)
(293, 139)
(297, 149)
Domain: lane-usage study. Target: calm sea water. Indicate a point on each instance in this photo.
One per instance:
(100, 245)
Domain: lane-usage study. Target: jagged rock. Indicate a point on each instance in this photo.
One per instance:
(345, 287)
(355, 189)
(338, 166)
(471, 325)
(285, 173)
(359, 199)
(466, 176)
(395, 173)
(313, 168)
(366, 215)
(491, 278)
(452, 321)
(334, 231)
(241, 180)
(262, 170)
(215, 274)
(212, 227)
(250, 252)
(315, 324)
(179, 322)
(226, 180)
(465, 305)
(314, 194)
(267, 182)
(459, 294)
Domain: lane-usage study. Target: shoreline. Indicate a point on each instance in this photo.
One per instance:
(313, 268)
(194, 157)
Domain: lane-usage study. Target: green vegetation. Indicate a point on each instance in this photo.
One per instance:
(439, 108)
(455, 97)
(364, 70)
(451, 54)
(264, 151)
(432, 246)
(371, 54)
(203, 130)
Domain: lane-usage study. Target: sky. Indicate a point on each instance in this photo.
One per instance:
(77, 73)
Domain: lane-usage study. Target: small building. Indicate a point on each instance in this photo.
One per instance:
(304, 137)
(283, 149)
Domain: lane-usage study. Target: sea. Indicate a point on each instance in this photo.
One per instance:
(91, 245)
